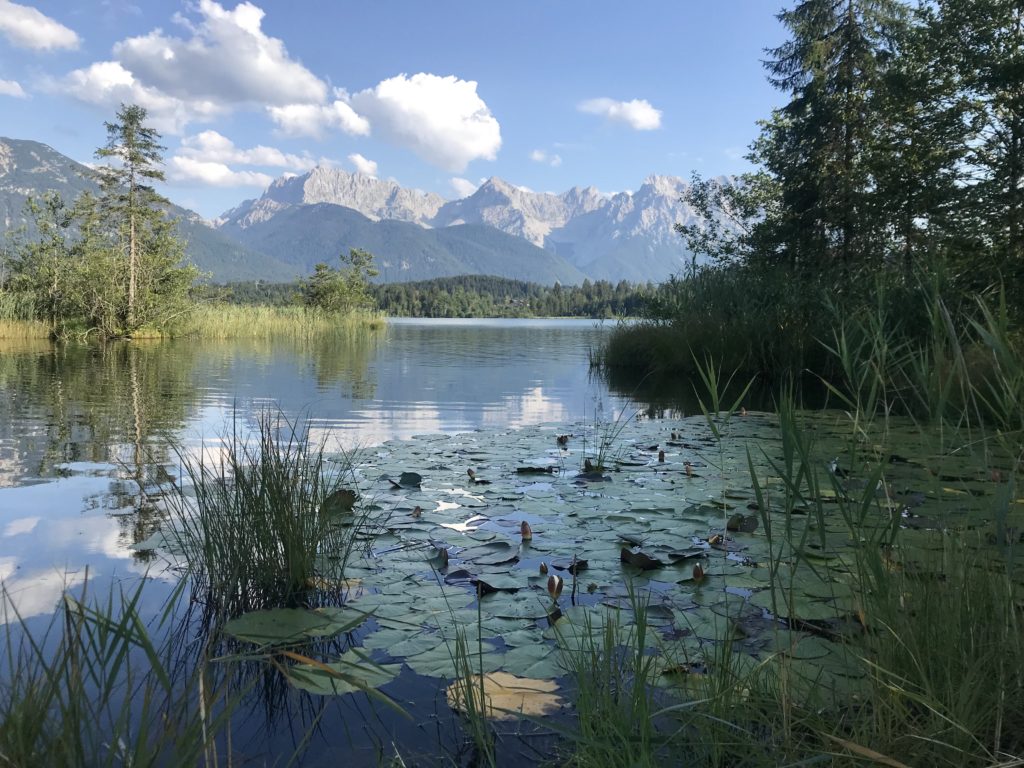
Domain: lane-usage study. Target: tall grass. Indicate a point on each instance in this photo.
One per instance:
(17, 318)
(929, 632)
(270, 521)
(95, 689)
(228, 321)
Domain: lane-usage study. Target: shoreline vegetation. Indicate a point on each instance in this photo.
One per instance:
(851, 591)
(230, 321)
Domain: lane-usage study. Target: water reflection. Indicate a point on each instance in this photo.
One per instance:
(88, 433)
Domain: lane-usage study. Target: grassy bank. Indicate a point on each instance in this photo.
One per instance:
(774, 326)
(225, 321)
(229, 321)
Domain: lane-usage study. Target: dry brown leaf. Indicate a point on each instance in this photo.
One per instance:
(507, 696)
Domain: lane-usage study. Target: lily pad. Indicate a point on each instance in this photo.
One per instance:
(287, 626)
(351, 673)
(340, 501)
(505, 696)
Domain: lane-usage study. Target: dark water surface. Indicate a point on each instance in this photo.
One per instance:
(89, 433)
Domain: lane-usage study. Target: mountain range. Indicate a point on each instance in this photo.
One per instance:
(500, 229)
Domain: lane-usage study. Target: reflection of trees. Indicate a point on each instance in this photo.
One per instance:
(344, 358)
(111, 403)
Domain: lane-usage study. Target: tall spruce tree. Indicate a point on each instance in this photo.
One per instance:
(980, 46)
(137, 213)
(819, 146)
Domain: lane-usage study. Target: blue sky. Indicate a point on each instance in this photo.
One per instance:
(435, 95)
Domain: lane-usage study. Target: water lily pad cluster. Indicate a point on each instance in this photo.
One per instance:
(711, 535)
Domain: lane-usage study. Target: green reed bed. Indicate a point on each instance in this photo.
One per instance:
(920, 661)
(95, 688)
(268, 519)
(228, 321)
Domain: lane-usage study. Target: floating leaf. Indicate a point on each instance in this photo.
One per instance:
(742, 523)
(639, 560)
(686, 554)
(286, 626)
(351, 673)
(505, 696)
(407, 480)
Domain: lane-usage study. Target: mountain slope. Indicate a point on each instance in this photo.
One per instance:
(628, 236)
(29, 169)
(308, 234)
(524, 213)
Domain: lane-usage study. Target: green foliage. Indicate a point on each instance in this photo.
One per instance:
(464, 296)
(900, 149)
(96, 688)
(268, 524)
(341, 290)
(109, 264)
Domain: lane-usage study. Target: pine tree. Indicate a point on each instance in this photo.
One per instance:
(819, 147)
(136, 212)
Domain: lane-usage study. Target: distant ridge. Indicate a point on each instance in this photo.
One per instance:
(500, 229)
(628, 235)
(29, 169)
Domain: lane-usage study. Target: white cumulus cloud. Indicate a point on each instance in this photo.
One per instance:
(26, 27)
(368, 167)
(540, 156)
(108, 84)
(637, 114)
(211, 146)
(441, 119)
(228, 58)
(11, 88)
(315, 119)
(214, 174)
(463, 187)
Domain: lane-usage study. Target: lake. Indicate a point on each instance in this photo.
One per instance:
(463, 437)
(89, 434)
(82, 427)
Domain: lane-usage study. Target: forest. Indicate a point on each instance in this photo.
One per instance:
(887, 191)
(466, 296)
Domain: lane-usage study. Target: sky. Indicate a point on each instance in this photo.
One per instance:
(437, 95)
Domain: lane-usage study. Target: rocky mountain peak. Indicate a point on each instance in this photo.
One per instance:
(374, 198)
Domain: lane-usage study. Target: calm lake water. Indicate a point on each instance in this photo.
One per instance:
(91, 437)
(88, 434)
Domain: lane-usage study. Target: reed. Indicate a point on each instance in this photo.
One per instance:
(229, 321)
(928, 626)
(271, 521)
(93, 689)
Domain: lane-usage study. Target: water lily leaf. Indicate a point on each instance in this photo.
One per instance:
(686, 554)
(505, 696)
(285, 626)
(743, 523)
(351, 673)
(440, 660)
(634, 541)
(497, 582)
(639, 560)
(407, 480)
